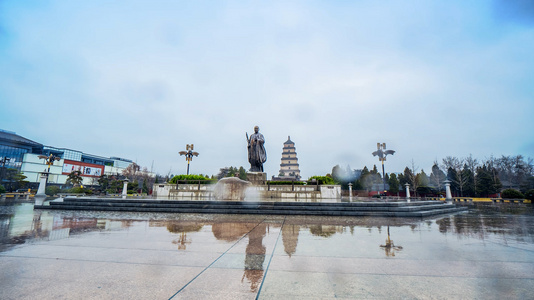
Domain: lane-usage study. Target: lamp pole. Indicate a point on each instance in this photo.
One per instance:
(49, 161)
(4, 160)
(381, 152)
(189, 153)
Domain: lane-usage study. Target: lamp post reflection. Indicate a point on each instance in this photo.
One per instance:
(390, 247)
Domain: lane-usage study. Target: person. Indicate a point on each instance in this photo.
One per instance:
(256, 151)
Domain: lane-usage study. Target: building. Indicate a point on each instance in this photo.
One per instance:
(289, 167)
(22, 154)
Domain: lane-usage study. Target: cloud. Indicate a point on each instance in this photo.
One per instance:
(141, 82)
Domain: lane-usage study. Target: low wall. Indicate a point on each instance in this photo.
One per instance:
(165, 190)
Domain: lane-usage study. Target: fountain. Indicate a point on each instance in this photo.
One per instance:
(230, 188)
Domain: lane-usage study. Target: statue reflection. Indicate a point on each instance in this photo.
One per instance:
(390, 247)
(255, 251)
(255, 257)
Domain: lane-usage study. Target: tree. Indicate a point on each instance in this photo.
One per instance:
(458, 178)
(410, 178)
(145, 187)
(393, 184)
(75, 178)
(133, 187)
(437, 177)
(242, 173)
(485, 184)
(16, 179)
(104, 182)
(131, 171)
(402, 180)
(452, 176)
(472, 164)
(468, 181)
(422, 179)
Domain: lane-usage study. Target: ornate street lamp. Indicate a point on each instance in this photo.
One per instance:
(188, 155)
(381, 152)
(49, 160)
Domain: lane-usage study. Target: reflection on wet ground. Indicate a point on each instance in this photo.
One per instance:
(487, 252)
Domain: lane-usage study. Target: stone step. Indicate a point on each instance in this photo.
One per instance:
(385, 209)
(256, 205)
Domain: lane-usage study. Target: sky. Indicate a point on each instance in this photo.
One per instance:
(141, 79)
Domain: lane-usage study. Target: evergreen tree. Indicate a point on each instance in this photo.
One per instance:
(145, 187)
(393, 184)
(242, 173)
(409, 177)
(452, 176)
(75, 178)
(422, 179)
(402, 180)
(468, 181)
(486, 185)
(437, 177)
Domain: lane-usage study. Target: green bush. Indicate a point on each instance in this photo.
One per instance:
(286, 182)
(2, 189)
(80, 190)
(191, 178)
(512, 194)
(529, 194)
(52, 190)
(322, 180)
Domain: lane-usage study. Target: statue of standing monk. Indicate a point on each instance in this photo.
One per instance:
(256, 151)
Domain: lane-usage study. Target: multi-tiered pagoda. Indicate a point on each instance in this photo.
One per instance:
(289, 168)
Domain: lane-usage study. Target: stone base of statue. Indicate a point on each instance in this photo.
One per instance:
(257, 178)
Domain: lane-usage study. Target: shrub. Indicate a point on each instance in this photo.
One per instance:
(177, 178)
(529, 194)
(52, 190)
(322, 180)
(286, 182)
(2, 189)
(80, 190)
(512, 194)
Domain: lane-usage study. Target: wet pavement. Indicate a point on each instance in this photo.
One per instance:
(485, 253)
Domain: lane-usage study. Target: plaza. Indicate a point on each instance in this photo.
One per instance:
(484, 253)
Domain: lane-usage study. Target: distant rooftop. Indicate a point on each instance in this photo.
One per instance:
(17, 139)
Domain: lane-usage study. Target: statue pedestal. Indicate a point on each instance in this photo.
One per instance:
(42, 184)
(257, 178)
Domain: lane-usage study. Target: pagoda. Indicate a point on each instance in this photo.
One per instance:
(289, 168)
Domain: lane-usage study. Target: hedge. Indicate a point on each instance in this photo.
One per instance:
(287, 182)
(512, 194)
(193, 178)
(321, 180)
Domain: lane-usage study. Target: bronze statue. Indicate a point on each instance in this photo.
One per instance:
(256, 151)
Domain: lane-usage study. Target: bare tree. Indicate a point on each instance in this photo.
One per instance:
(456, 164)
(413, 177)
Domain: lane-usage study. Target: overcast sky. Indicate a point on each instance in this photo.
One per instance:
(141, 79)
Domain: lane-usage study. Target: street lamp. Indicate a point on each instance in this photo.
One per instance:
(49, 160)
(188, 155)
(381, 152)
(3, 161)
